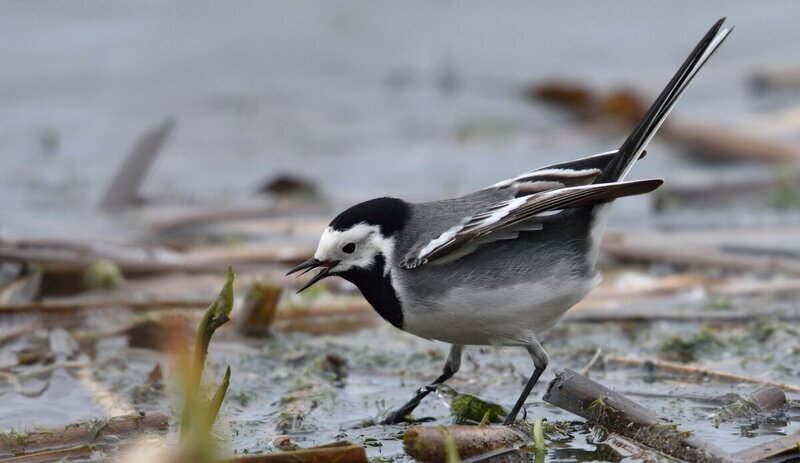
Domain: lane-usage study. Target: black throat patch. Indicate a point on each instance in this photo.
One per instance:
(377, 290)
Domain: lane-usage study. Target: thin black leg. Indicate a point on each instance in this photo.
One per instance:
(540, 361)
(524, 396)
(450, 368)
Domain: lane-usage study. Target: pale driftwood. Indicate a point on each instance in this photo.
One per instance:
(67, 454)
(585, 370)
(427, 443)
(700, 257)
(627, 108)
(326, 319)
(721, 400)
(630, 449)
(326, 454)
(725, 144)
(318, 319)
(71, 307)
(131, 267)
(274, 218)
(582, 396)
(639, 315)
(81, 433)
(767, 450)
(123, 189)
(679, 368)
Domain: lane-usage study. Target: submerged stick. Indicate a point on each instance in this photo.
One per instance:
(326, 454)
(696, 371)
(81, 433)
(123, 190)
(773, 448)
(66, 454)
(593, 401)
(699, 258)
(427, 443)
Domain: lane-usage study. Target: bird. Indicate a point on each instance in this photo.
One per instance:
(499, 266)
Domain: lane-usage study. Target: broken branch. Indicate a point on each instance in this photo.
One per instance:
(427, 444)
(81, 433)
(338, 454)
(580, 395)
(678, 368)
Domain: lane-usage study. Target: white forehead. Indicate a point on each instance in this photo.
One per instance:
(334, 239)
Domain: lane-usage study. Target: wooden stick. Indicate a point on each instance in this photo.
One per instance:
(427, 443)
(696, 371)
(76, 434)
(699, 258)
(726, 144)
(636, 315)
(70, 307)
(123, 190)
(258, 309)
(755, 404)
(773, 448)
(81, 451)
(582, 396)
(71, 258)
(631, 449)
(328, 454)
(585, 370)
(768, 398)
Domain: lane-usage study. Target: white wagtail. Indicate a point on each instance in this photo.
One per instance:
(499, 266)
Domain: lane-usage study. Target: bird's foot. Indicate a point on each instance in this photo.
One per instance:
(512, 418)
(401, 416)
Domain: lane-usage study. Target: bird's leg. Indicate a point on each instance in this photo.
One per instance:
(540, 361)
(451, 366)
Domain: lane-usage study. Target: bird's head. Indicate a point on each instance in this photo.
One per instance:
(357, 239)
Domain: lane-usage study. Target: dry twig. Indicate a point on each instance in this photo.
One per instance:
(588, 399)
(681, 369)
(81, 433)
(427, 443)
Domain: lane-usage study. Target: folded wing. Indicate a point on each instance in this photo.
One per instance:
(506, 219)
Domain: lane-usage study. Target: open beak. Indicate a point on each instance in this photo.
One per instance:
(311, 264)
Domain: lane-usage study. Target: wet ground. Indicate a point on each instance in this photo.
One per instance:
(315, 389)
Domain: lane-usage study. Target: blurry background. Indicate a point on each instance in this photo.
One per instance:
(420, 100)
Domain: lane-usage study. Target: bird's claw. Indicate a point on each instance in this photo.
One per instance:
(397, 418)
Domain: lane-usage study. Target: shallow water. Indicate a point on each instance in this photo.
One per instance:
(383, 366)
(421, 101)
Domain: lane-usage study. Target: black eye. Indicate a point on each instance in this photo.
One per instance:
(349, 248)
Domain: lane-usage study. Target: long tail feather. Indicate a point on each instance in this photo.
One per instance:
(627, 155)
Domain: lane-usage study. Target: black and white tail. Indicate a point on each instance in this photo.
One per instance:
(633, 147)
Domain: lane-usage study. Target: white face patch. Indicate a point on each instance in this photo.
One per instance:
(368, 243)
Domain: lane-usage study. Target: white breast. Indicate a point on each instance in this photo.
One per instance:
(507, 316)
